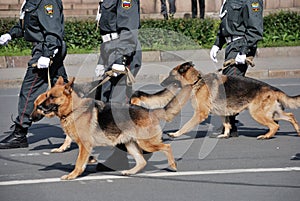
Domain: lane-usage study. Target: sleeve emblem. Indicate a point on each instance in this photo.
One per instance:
(255, 6)
(126, 4)
(49, 9)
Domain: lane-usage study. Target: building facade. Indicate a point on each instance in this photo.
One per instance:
(149, 8)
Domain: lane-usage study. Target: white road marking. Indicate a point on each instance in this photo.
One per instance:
(159, 174)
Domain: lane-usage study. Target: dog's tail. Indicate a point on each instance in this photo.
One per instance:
(154, 101)
(292, 102)
(175, 105)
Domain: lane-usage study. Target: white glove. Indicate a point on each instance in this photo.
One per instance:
(240, 59)
(118, 67)
(43, 62)
(4, 39)
(213, 53)
(99, 71)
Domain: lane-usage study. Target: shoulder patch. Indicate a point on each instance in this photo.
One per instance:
(255, 6)
(126, 4)
(49, 9)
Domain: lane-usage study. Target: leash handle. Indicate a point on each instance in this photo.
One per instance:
(230, 62)
(48, 72)
(109, 74)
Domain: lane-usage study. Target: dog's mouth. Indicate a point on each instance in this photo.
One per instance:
(49, 108)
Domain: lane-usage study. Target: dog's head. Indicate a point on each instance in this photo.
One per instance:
(184, 74)
(53, 102)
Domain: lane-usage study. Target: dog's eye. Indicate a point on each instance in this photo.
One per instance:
(51, 96)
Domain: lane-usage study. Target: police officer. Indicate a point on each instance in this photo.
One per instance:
(42, 23)
(120, 49)
(241, 28)
(164, 9)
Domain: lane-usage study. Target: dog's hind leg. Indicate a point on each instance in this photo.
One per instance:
(263, 118)
(281, 115)
(154, 144)
(82, 159)
(134, 150)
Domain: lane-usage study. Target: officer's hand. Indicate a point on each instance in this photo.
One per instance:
(118, 68)
(99, 71)
(213, 53)
(4, 39)
(240, 59)
(43, 62)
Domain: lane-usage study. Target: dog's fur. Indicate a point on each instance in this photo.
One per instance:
(228, 95)
(92, 123)
(157, 100)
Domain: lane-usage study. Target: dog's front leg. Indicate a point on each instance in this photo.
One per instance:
(82, 159)
(197, 118)
(227, 127)
(66, 145)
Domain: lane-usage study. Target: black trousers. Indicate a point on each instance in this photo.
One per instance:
(231, 51)
(35, 83)
(195, 8)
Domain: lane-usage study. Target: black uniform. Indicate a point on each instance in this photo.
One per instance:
(43, 25)
(119, 23)
(241, 28)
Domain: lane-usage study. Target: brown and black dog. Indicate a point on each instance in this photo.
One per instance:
(229, 95)
(92, 123)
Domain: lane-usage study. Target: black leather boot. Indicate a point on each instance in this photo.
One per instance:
(232, 133)
(17, 139)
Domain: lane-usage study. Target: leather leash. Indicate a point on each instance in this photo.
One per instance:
(230, 62)
(109, 74)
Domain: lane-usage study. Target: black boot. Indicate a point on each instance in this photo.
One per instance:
(232, 133)
(17, 139)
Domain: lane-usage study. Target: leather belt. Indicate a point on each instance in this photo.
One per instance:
(109, 37)
(230, 39)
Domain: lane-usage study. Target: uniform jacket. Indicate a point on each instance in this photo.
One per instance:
(43, 24)
(122, 17)
(241, 18)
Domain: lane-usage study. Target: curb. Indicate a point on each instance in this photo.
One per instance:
(144, 79)
(151, 56)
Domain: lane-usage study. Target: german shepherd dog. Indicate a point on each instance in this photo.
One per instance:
(91, 123)
(229, 95)
(150, 101)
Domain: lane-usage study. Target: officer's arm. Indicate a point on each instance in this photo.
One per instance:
(220, 39)
(16, 31)
(253, 16)
(51, 19)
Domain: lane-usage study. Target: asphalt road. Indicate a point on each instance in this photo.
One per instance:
(235, 169)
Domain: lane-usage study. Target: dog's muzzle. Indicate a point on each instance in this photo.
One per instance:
(170, 80)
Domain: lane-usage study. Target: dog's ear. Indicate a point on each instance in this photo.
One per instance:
(60, 81)
(185, 66)
(69, 86)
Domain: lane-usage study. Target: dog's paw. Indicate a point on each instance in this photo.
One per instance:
(262, 137)
(174, 166)
(126, 172)
(68, 177)
(59, 150)
(223, 136)
(173, 135)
